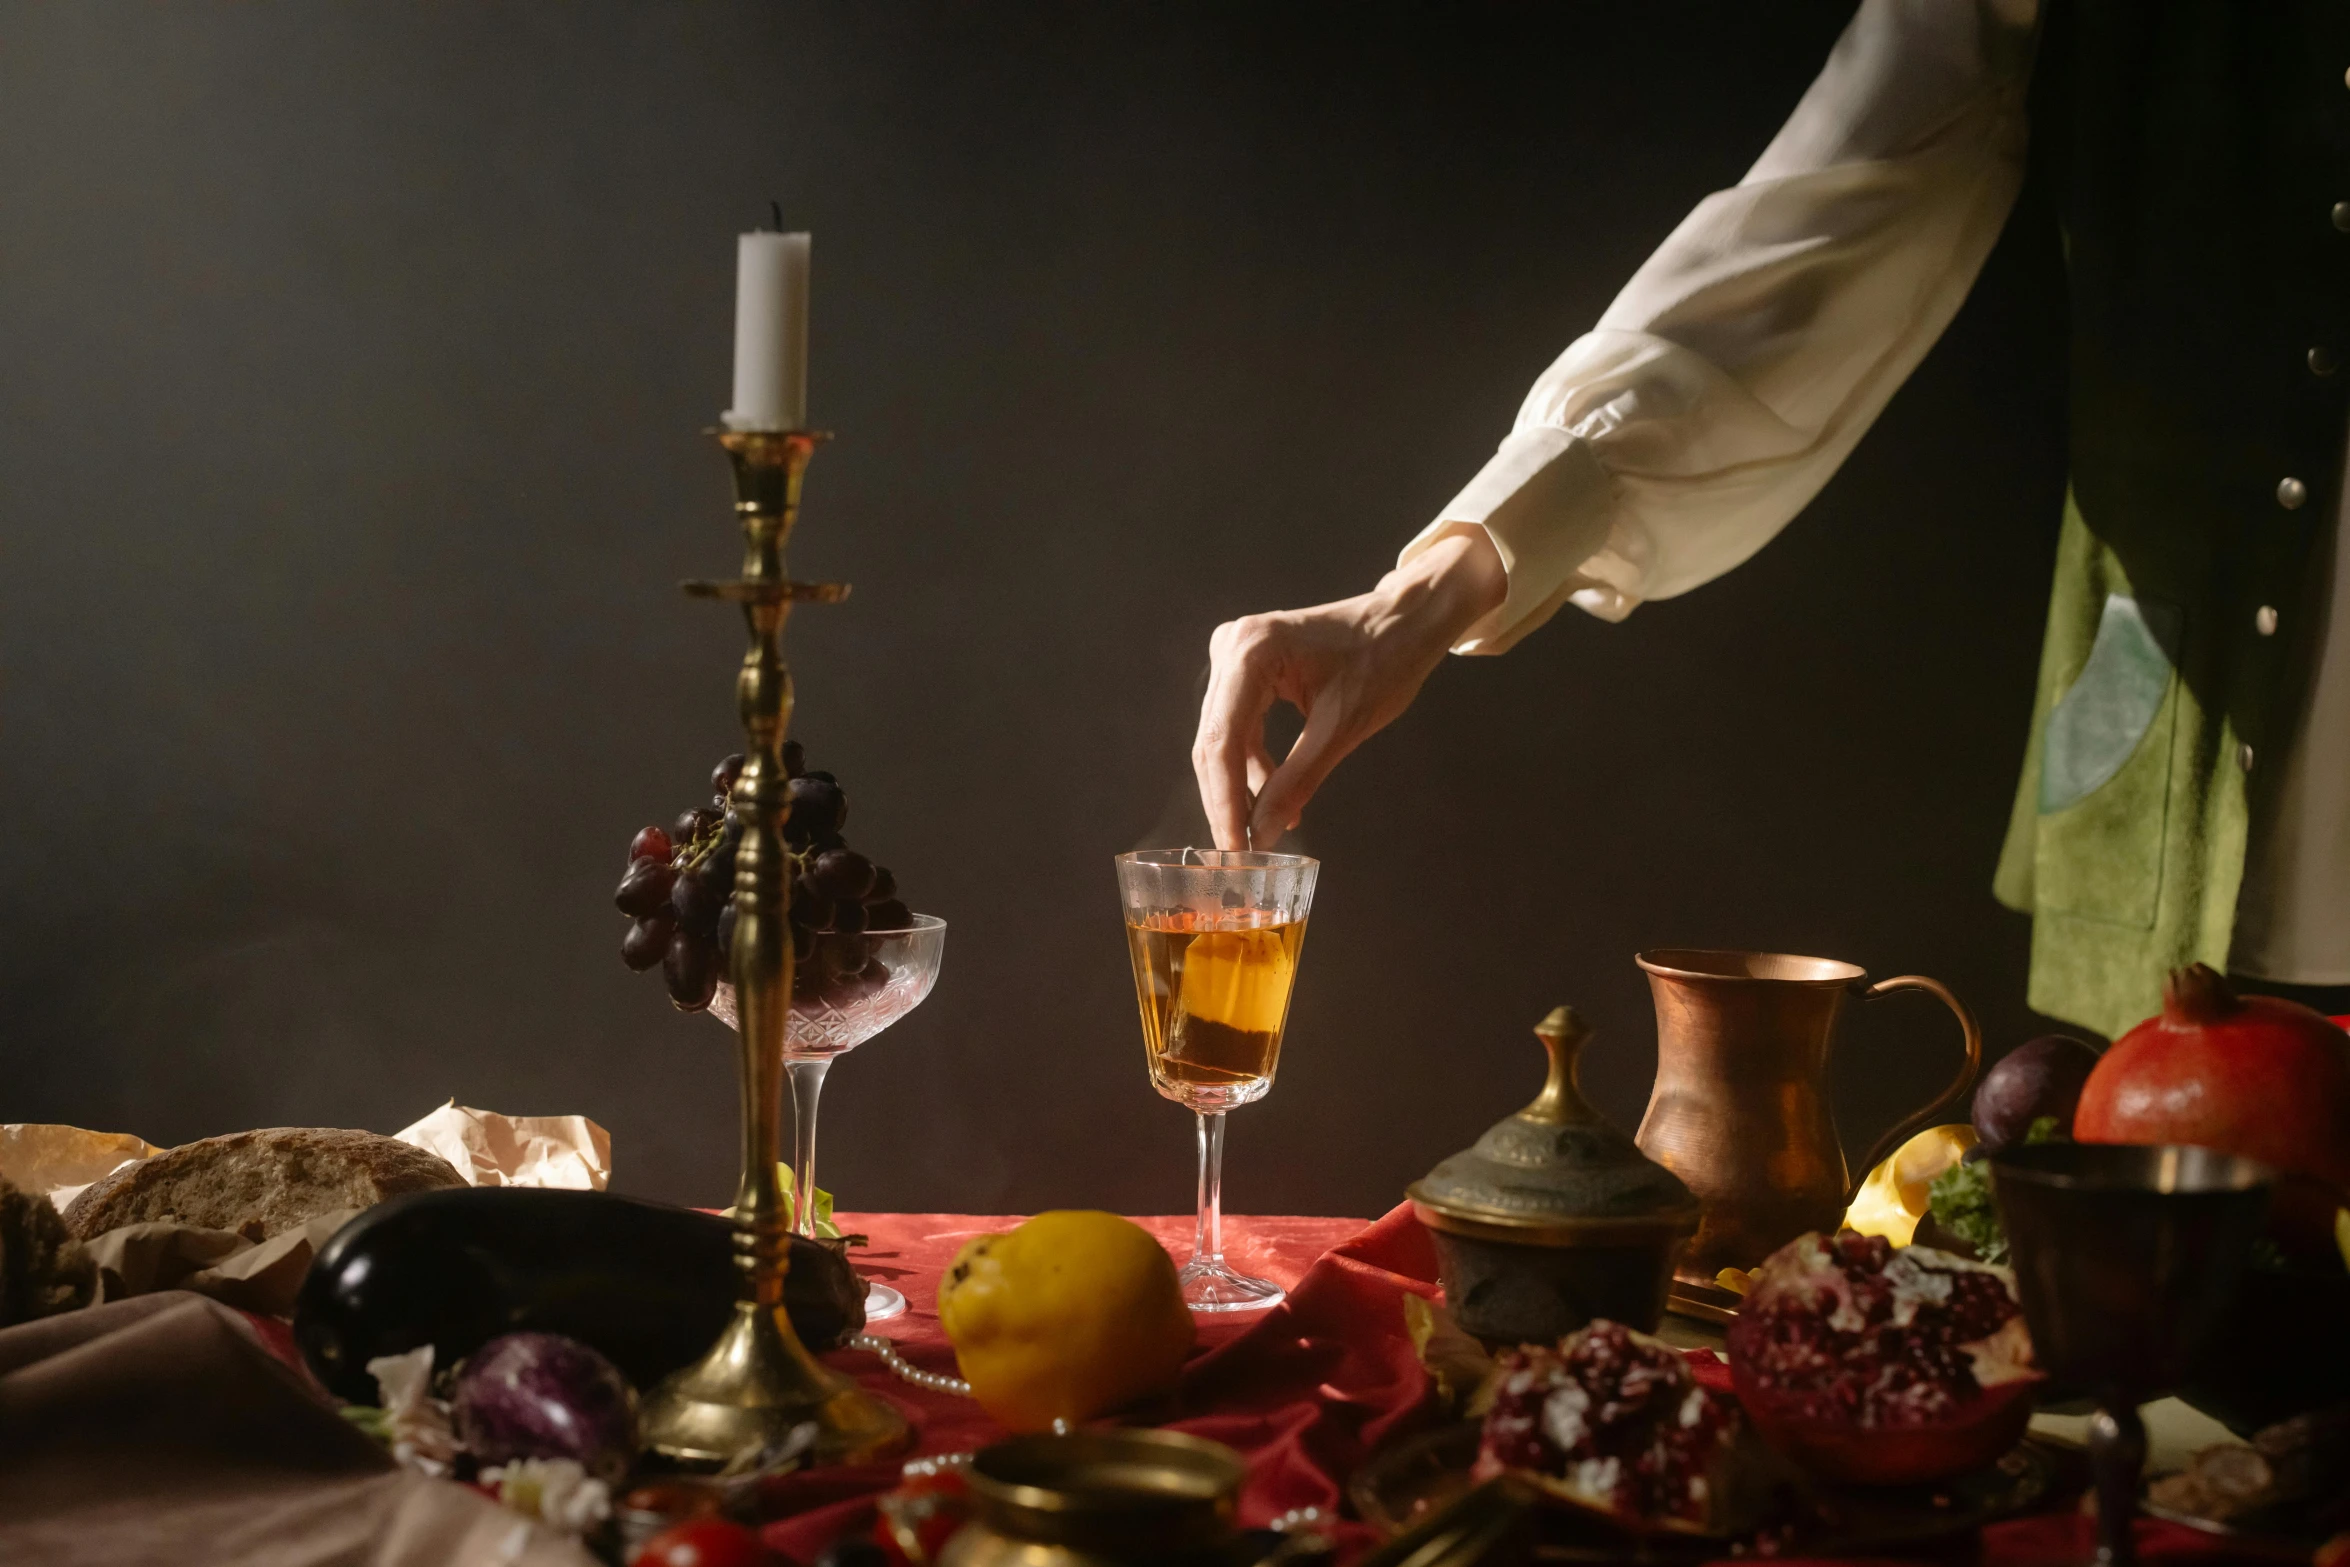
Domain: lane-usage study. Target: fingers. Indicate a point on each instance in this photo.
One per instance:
(1260, 761)
(1326, 740)
(1228, 754)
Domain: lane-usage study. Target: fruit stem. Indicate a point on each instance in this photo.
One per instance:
(2199, 993)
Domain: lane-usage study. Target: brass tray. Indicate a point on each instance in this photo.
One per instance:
(1702, 1302)
(1422, 1474)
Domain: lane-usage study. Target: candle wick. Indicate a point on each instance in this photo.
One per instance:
(775, 210)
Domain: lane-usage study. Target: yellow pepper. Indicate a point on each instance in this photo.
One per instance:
(1073, 1314)
(1894, 1197)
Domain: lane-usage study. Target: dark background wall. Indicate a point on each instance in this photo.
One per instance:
(352, 358)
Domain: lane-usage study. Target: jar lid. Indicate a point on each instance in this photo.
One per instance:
(1558, 1172)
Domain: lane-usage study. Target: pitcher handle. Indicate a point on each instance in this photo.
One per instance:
(1960, 1085)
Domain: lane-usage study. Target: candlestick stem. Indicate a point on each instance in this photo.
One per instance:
(758, 1383)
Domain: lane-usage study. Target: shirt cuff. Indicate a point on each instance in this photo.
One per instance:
(1548, 505)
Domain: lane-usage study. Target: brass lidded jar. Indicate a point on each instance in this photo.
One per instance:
(1554, 1216)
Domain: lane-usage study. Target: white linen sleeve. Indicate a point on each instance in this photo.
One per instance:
(1747, 356)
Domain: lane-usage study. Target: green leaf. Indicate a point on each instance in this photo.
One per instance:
(1961, 1196)
(1961, 1202)
(369, 1419)
(823, 1199)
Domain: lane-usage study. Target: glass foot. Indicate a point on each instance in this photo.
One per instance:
(1211, 1286)
(882, 1302)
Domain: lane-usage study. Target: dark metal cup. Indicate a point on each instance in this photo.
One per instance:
(2126, 1259)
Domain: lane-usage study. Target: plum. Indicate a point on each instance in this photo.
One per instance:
(2040, 1077)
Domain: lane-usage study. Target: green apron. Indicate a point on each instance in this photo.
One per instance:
(2198, 153)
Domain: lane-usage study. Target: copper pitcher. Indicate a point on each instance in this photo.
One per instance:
(1740, 1109)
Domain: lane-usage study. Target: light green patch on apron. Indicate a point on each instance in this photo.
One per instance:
(2106, 771)
(2099, 723)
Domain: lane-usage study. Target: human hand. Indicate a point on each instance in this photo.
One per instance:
(1351, 667)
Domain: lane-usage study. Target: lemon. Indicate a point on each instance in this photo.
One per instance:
(1073, 1314)
(1239, 978)
(1894, 1197)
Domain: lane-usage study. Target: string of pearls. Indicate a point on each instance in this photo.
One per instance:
(900, 1366)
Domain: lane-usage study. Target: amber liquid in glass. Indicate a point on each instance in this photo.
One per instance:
(1214, 992)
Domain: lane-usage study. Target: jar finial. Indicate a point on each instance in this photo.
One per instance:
(1563, 1035)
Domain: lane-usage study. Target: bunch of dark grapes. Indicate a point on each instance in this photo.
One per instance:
(679, 890)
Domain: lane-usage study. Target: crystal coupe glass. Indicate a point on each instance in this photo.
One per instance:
(1215, 936)
(823, 1030)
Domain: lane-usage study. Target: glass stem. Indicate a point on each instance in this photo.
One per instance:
(1207, 1236)
(807, 1083)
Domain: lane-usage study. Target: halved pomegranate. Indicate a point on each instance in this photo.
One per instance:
(1873, 1364)
(1615, 1422)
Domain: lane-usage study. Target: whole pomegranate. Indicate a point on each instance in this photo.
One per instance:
(2253, 1075)
(1882, 1365)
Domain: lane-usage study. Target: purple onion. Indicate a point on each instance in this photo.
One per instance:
(540, 1395)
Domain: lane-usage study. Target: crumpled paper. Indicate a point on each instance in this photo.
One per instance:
(490, 1149)
(256, 1276)
(58, 1161)
(486, 1148)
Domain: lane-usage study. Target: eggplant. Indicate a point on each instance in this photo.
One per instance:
(648, 1285)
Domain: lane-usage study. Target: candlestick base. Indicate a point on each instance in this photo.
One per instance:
(755, 1387)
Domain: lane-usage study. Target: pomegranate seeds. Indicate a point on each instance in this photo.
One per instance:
(1612, 1420)
(1880, 1364)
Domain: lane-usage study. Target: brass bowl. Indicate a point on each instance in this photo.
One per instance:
(1097, 1498)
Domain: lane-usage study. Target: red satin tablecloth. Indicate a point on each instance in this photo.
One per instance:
(1306, 1391)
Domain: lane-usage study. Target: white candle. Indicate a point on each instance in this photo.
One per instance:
(770, 333)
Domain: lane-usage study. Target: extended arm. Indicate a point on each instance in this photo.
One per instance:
(1707, 407)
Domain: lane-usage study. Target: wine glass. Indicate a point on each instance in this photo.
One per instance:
(2125, 1257)
(828, 1026)
(1215, 935)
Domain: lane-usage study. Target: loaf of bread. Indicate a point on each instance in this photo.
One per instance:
(43, 1270)
(259, 1183)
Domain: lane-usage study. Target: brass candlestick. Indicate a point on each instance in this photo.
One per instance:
(758, 1383)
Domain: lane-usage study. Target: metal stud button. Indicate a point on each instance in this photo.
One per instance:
(2264, 620)
(2291, 493)
(2342, 216)
(2323, 361)
(2244, 758)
